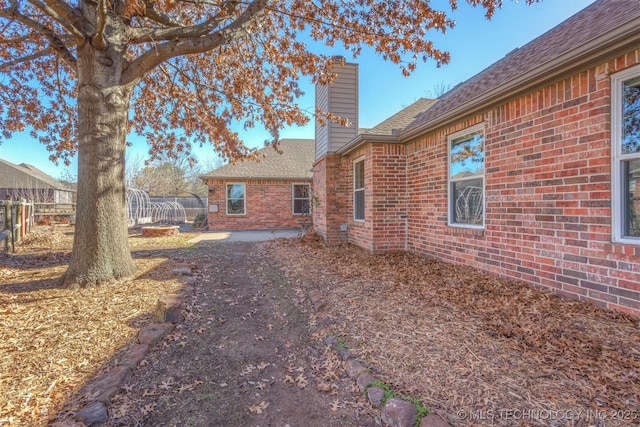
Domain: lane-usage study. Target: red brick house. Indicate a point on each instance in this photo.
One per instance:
(273, 193)
(529, 170)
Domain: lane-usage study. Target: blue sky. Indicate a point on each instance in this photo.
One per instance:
(474, 44)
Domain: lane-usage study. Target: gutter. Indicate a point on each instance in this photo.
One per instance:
(363, 139)
(600, 49)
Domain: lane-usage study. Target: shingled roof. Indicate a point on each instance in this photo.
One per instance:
(401, 119)
(25, 176)
(295, 162)
(597, 33)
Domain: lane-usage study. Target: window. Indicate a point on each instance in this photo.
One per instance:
(301, 199)
(466, 178)
(358, 190)
(625, 153)
(235, 199)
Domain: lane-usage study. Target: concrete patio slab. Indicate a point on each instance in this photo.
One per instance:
(244, 236)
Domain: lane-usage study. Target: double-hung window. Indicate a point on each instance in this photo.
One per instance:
(236, 197)
(466, 178)
(358, 190)
(301, 199)
(625, 150)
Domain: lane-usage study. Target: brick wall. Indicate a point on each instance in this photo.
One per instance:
(384, 226)
(548, 194)
(389, 200)
(268, 205)
(332, 192)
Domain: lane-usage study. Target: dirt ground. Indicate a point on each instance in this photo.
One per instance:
(472, 348)
(246, 354)
(247, 349)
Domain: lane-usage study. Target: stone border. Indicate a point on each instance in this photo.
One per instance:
(396, 412)
(168, 312)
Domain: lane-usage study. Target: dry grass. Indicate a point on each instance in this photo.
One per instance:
(464, 342)
(53, 340)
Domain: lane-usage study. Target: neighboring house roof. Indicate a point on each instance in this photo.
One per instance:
(295, 162)
(25, 176)
(594, 35)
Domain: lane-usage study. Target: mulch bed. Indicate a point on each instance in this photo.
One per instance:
(53, 340)
(478, 349)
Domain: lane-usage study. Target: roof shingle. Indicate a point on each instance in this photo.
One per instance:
(25, 176)
(295, 162)
(596, 20)
(401, 119)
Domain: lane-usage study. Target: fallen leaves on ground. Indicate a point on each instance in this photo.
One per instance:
(259, 408)
(52, 340)
(458, 339)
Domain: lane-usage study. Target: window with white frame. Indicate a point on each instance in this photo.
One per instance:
(358, 190)
(625, 150)
(236, 196)
(466, 177)
(301, 199)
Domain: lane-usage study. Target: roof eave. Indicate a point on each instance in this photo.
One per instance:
(363, 139)
(601, 49)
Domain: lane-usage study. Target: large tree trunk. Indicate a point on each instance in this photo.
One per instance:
(100, 248)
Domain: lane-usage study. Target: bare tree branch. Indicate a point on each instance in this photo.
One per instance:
(144, 35)
(56, 42)
(27, 58)
(98, 40)
(170, 49)
(159, 17)
(64, 15)
(14, 41)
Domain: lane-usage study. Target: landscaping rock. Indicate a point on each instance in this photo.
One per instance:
(93, 414)
(354, 368)
(134, 356)
(154, 333)
(106, 386)
(188, 290)
(375, 396)
(433, 420)
(169, 309)
(314, 296)
(332, 341)
(320, 306)
(398, 413)
(364, 379)
(324, 320)
(344, 353)
(185, 271)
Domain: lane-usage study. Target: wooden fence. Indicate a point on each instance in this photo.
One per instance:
(16, 220)
(55, 211)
